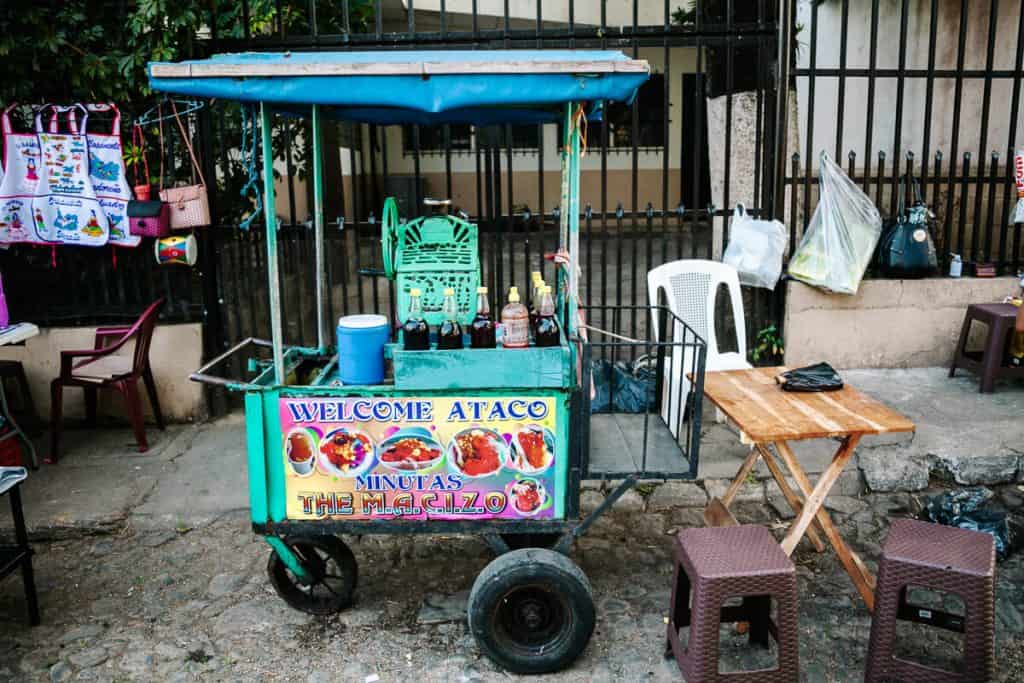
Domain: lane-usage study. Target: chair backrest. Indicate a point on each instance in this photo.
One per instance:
(691, 287)
(142, 329)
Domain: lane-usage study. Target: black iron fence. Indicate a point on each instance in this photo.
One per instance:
(883, 87)
(931, 88)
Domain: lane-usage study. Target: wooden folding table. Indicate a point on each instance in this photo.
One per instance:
(768, 416)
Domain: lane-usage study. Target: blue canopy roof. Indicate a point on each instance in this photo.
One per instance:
(478, 87)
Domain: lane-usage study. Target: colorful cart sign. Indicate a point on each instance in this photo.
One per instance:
(420, 458)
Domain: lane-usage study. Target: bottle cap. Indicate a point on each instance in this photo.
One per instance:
(481, 290)
(513, 294)
(415, 292)
(546, 289)
(535, 274)
(448, 291)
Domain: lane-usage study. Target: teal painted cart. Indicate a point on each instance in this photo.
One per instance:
(490, 442)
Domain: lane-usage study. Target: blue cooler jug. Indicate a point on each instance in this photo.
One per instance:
(361, 340)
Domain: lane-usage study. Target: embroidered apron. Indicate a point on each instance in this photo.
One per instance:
(65, 208)
(18, 187)
(107, 173)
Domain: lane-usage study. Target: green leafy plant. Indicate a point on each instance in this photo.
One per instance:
(767, 345)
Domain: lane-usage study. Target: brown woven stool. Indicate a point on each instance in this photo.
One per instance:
(938, 558)
(727, 562)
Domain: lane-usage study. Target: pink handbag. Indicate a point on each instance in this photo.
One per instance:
(149, 219)
(189, 205)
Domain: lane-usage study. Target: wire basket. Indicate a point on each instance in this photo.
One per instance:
(435, 253)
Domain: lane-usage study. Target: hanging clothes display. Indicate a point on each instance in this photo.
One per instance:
(22, 168)
(65, 207)
(107, 173)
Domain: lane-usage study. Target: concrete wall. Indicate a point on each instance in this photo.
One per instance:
(888, 324)
(176, 351)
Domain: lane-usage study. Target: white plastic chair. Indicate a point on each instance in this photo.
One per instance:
(690, 288)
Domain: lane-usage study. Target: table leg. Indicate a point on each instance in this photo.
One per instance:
(791, 497)
(741, 478)
(21, 538)
(717, 513)
(859, 573)
(13, 426)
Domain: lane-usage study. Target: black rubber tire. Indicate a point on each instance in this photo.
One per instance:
(531, 611)
(334, 569)
(517, 541)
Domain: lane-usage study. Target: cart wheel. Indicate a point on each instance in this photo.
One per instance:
(334, 571)
(532, 611)
(517, 541)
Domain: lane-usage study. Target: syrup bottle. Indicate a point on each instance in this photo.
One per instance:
(546, 332)
(536, 283)
(481, 331)
(415, 332)
(449, 334)
(515, 321)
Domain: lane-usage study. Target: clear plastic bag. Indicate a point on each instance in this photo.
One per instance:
(755, 249)
(842, 235)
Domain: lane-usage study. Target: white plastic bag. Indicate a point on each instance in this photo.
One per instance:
(755, 249)
(842, 235)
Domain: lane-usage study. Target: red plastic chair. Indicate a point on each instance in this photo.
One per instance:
(99, 368)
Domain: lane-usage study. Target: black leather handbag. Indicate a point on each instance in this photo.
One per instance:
(906, 249)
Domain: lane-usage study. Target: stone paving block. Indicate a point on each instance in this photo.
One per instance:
(847, 505)
(677, 494)
(750, 492)
(590, 500)
(970, 470)
(891, 469)
(630, 502)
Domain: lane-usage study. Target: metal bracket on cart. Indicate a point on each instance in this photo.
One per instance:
(565, 542)
(203, 375)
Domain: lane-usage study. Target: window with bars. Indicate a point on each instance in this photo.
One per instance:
(651, 113)
(432, 139)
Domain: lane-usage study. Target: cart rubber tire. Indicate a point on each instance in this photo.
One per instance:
(531, 611)
(332, 588)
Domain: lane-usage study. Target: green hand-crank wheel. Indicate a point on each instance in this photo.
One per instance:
(389, 236)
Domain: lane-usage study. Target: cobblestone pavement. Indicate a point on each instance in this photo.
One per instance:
(196, 605)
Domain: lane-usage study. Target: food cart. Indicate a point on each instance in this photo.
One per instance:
(327, 459)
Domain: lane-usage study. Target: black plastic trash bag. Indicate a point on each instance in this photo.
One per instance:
(969, 509)
(820, 377)
(622, 387)
(601, 375)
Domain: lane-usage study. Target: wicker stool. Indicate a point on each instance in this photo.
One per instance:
(726, 562)
(938, 558)
(988, 363)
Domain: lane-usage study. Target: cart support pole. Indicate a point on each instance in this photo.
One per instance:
(318, 230)
(574, 221)
(273, 274)
(289, 558)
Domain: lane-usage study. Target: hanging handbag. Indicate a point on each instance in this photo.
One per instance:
(146, 218)
(189, 205)
(906, 250)
(149, 218)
